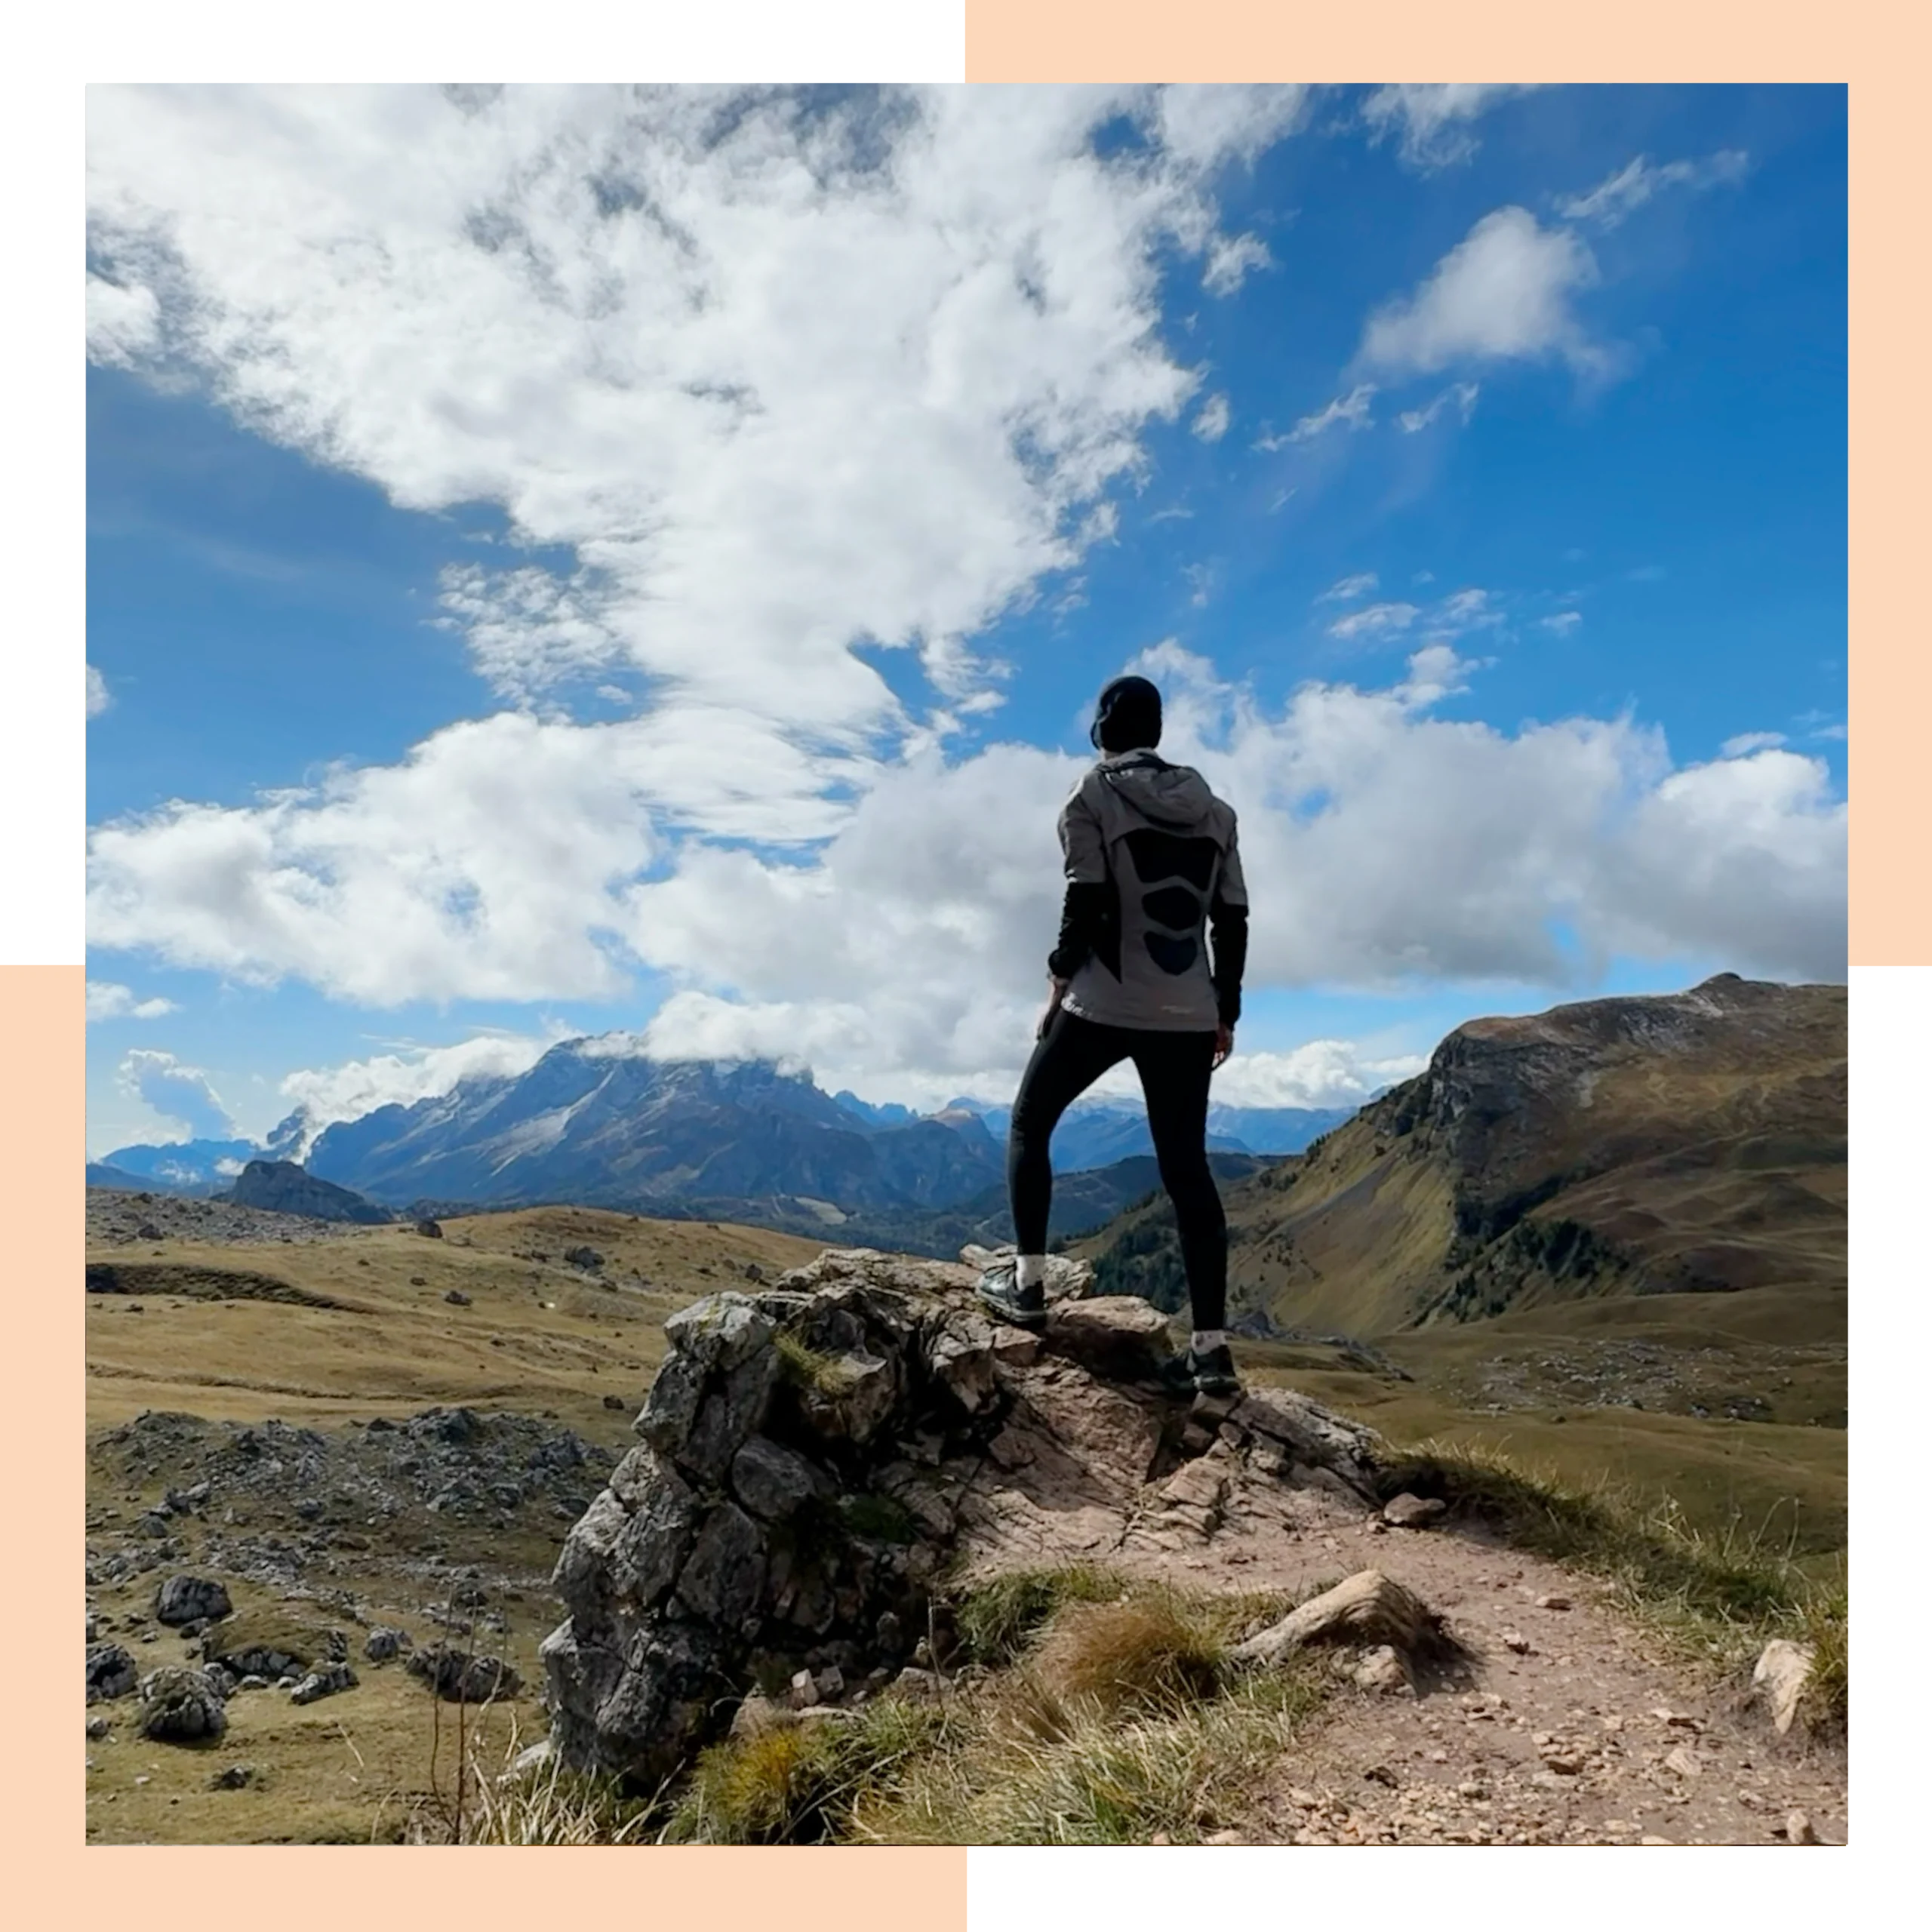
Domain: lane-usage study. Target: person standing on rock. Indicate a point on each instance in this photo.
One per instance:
(1153, 876)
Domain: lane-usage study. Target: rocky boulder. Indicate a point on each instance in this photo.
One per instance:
(815, 1453)
(181, 1706)
(191, 1599)
(112, 1672)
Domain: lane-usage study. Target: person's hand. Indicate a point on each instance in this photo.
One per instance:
(1224, 1043)
(1057, 993)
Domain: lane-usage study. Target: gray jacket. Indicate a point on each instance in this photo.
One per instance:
(1151, 861)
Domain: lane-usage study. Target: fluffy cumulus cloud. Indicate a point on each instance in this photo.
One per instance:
(178, 1092)
(786, 373)
(1503, 293)
(99, 696)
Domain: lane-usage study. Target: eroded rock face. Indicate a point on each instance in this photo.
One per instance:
(812, 1452)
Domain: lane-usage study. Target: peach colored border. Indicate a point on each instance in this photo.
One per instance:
(41, 1008)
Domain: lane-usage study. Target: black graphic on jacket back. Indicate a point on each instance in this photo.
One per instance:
(1180, 870)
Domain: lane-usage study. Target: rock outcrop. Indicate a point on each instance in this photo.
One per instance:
(816, 1453)
(282, 1187)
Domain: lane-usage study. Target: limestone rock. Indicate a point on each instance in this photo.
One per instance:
(181, 1706)
(1799, 1829)
(1778, 1680)
(816, 1452)
(1413, 1512)
(1119, 1336)
(1366, 1608)
(190, 1600)
(382, 1643)
(112, 1672)
(1384, 1670)
(458, 1676)
(1068, 1278)
(324, 1681)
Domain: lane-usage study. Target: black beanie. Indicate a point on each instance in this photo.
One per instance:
(1127, 717)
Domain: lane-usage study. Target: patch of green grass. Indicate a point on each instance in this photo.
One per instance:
(995, 1618)
(806, 1367)
(800, 1784)
(1721, 1593)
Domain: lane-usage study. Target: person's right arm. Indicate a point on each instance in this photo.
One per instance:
(1083, 906)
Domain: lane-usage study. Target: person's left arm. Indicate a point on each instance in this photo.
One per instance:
(1227, 929)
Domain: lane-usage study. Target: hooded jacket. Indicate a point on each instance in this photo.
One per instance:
(1153, 872)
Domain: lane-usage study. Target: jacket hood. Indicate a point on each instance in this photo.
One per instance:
(1174, 795)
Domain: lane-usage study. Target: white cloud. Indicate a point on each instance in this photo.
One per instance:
(1321, 1073)
(1466, 609)
(99, 696)
(1346, 589)
(1382, 843)
(1375, 620)
(107, 1001)
(526, 630)
(1229, 259)
(1621, 194)
(124, 324)
(1745, 743)
(1462, 395)
(1211, 425)
(401, 1078)
(787, 374)
(1503, 291)
(178, 1093)
(1433, 122)
(1206, 125)
(1351, 411)
(1562, 622)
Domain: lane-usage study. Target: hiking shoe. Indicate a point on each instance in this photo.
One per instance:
(999, 1290)
(1210, 1374)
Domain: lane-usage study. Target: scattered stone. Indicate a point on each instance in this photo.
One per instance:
(235, 1777)
(1413, 1512)
(1684, 1762)
(432, 1229)
(1384, 1671)
(583, 1257)
(803, 1691)
(616, 1402)
(1778, 1680)
(456, 1297)
(419, 1281)
(459, 1677)
(181, 1706)
(1552, 1603)
(325, 1682)
(112, 1672)
(1797, 1828)
(753, 1272)
(1515, 1640)
(99, 1727)
(916, 1683)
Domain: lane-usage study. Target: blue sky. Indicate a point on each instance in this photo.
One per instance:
(648, 570)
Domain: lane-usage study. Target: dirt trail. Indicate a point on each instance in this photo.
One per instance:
(1590, 1736)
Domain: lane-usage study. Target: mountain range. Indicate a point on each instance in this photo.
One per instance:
(1693, 1142)
(598, 1125)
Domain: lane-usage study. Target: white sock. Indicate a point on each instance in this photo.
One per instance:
(1205, 1340)
(1032, 1271)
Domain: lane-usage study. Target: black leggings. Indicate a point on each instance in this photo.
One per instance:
(1174, 1069)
